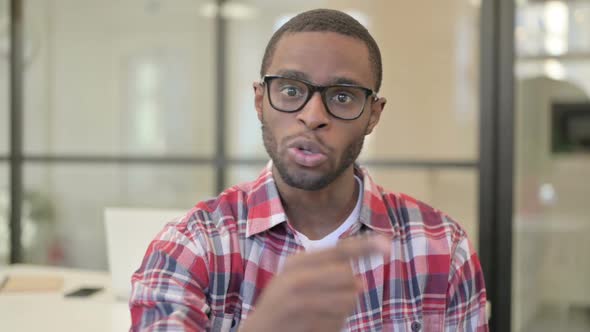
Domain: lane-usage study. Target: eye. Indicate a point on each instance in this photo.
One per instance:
(290, 91)
(342, 98)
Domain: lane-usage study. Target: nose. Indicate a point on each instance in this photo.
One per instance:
(314, 114)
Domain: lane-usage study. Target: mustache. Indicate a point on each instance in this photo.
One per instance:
(307, 134)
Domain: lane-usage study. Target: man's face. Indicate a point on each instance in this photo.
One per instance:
(311, 148)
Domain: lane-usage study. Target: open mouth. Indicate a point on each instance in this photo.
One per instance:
(305, 151)
(307, 148)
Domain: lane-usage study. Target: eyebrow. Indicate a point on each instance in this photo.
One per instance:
(344, 80)
(296, 74)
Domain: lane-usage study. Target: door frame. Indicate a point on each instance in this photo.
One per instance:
(497, 156)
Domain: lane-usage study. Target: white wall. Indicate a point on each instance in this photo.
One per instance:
(115, 78)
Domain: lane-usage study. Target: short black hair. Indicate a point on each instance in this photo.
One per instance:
(327, 20)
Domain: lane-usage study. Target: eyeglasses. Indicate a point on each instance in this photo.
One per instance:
(342, 101)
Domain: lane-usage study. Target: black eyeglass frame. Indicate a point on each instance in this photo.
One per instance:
(312, 88)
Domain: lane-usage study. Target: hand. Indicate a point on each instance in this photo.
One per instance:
(316, 291)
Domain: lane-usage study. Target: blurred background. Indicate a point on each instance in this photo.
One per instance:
(148, 103)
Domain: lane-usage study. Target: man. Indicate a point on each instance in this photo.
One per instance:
(313, 244)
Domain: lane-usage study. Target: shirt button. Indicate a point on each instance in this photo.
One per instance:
(416, 326)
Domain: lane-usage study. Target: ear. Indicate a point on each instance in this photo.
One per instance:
(258, 98)
(376, 109)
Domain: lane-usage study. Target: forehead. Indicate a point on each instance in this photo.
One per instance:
(323, 58)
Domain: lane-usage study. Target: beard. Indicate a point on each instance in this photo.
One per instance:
(302, 179)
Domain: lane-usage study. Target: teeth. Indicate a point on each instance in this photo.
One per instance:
(306, 152)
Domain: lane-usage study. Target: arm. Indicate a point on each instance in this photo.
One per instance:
(466, 294)
(169, 287)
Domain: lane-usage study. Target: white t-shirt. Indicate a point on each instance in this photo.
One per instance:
(331, 239)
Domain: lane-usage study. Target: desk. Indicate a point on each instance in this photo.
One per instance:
(51, 311)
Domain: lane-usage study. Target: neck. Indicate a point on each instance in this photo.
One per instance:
(319, 212)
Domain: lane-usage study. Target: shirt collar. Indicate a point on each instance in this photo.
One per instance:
(265, 209)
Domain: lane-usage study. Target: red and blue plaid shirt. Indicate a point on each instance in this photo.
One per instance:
(206, 270)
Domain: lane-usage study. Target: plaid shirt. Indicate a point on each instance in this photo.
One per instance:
(206, 270)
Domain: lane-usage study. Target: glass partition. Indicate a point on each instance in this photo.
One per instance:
(119, 78)
(4, 214)
(63, 205)
(4, 77)
(4, 131)
(552, 164)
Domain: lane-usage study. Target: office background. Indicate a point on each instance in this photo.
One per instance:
(148, 103)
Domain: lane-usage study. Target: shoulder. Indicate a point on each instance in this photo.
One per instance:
(208, 228)
(418, 221)
(223, 213)
(412, 219)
